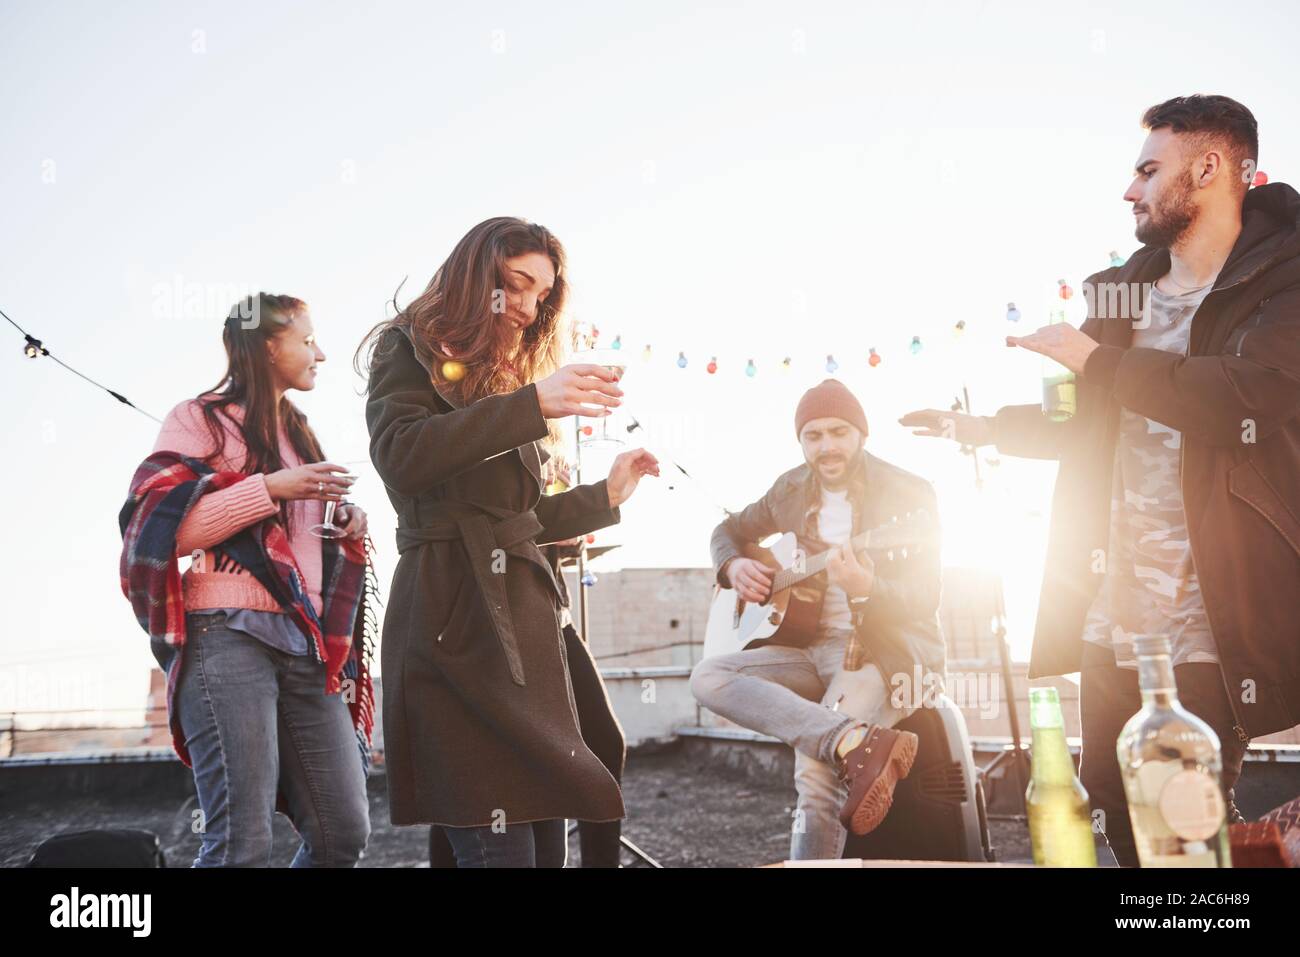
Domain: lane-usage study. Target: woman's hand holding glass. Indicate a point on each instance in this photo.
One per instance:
(320, 480)
(575, 389)
(324, 481)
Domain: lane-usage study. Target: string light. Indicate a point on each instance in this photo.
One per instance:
(1064, 291)
(617, 343)
(453, 371)
(33, 348)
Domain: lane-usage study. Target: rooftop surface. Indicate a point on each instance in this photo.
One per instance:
(681, 811)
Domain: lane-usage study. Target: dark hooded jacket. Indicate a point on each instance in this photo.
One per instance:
(1235, 397)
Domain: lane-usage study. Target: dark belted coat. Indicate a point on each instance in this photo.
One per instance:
(480, 722)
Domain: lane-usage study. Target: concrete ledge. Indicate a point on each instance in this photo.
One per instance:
(980, 745)
(116, 756)
(36, 777)
(987, 744)
(729, 734)
(757, 756)
(648, 671)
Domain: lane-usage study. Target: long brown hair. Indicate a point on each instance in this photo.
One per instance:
(460, 308)
(248, 383)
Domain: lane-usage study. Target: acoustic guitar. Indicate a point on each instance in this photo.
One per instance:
(790, 614)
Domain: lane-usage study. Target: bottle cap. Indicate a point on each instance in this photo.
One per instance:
(1149, 646)
(1045, 708)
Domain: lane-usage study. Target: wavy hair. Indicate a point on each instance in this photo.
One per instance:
(248, 383)
(460, 312)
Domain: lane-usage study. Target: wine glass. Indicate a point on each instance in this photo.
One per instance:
(616, 362)
(328, 529)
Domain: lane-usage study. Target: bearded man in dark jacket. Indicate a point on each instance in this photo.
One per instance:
(1177, 503)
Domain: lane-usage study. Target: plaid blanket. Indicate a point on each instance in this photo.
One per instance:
(163, 489)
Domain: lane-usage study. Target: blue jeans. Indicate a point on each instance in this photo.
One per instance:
(804, 697)
(530, 844)
(256, 718)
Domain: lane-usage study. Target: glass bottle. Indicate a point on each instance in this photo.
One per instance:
(1060, 390)
(1173, 772)
(1060, 826)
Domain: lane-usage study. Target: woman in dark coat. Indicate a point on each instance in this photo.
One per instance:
(481, 730)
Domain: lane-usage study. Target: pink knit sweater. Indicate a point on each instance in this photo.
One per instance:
(218, 515)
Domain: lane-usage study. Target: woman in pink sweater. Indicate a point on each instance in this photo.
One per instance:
(249, 694)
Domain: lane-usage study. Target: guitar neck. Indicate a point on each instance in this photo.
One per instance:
(788, 577)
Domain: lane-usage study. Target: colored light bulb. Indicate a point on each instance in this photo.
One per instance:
(916, 345)
(831, 364)
(681, 360)
(1065, 291)
(1013, 314)
(873, 358)
(617, 343)
(713, 365)
(958, 329)
(750, 369)
(453, 371)
(1261, 179)
(785, 364)
(1116, 259)
(645, 353)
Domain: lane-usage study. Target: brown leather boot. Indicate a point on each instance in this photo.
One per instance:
(871, 770)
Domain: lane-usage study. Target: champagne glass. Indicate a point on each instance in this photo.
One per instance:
(616, 362)
(328, 529)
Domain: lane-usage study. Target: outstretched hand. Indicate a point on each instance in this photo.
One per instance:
(626, 472)
(958, 426)
(1059, 341)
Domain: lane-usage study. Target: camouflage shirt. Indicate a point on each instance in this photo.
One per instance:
(1151, 585)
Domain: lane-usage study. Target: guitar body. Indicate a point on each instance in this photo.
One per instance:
(789, 617)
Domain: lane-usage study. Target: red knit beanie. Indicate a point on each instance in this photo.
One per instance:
(831, 398)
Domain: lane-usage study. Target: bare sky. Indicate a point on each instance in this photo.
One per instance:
(747, 181)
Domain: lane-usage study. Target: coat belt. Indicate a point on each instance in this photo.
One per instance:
(485, 529)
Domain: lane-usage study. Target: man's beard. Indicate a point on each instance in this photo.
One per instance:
(1174, 217)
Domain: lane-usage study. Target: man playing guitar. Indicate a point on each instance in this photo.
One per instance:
(837, 712)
